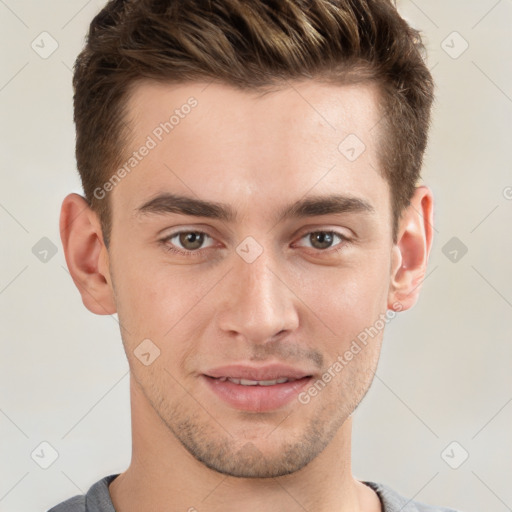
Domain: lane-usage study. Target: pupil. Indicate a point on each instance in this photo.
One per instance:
(191, 240)
(321, 240)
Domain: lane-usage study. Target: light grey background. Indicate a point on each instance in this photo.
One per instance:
(445, 368)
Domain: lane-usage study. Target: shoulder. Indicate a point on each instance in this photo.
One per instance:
(74, 504)
(392, 501)
(96, 499)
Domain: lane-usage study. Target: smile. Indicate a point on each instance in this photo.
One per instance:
(247, 382)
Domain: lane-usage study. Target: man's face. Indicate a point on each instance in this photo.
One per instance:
(255, 289)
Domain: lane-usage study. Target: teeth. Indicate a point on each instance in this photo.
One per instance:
(246, 382)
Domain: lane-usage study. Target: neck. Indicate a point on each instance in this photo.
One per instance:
(163, 475)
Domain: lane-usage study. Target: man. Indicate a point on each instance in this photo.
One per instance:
(251, 210)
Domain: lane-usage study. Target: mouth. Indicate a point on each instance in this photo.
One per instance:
(247, 382)
(256, 390)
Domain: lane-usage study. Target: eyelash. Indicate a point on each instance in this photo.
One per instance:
(199, 252)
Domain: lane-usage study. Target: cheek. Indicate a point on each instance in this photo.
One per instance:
(347, 299)
(158, 305)
(156, 300)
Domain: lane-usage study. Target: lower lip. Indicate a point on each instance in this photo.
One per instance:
(256, 398)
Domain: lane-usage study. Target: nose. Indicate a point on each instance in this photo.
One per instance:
(257, 303)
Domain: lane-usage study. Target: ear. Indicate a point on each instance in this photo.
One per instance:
(410, 253)
(86, 255)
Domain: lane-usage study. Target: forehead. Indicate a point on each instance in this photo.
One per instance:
(295, 104)
(216, 142)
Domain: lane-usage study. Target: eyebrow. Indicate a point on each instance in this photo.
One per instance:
(167, 203)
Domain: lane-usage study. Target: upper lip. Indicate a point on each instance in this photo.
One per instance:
(268, 372)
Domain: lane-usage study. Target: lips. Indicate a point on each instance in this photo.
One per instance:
(247, 382)
(262, 373)
(256, 389)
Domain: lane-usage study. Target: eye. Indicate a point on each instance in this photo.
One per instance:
(322, 240)
(190, 243)
(186, 242)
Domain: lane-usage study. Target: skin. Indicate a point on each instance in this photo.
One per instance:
(296, 303)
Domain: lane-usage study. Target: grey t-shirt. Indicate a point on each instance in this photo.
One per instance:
(98, 499)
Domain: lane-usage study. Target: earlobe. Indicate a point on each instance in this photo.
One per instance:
(410, 254)
(86, 254)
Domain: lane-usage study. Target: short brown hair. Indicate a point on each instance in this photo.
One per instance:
(250, 44)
